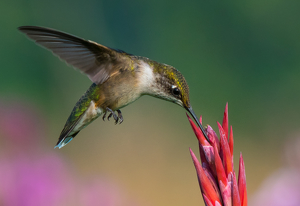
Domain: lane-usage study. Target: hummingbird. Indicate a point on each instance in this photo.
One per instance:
(119, 78)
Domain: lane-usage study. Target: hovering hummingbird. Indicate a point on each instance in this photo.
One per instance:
(118, 79)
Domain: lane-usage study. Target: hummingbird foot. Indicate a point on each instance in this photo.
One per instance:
(117, 119)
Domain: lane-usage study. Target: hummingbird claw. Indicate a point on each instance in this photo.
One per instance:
(104, 116)
(120, 116)
(109, 116)
(116, 122)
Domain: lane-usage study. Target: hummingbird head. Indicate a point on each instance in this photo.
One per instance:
(168, 84)
(176, 87)
(172, 86)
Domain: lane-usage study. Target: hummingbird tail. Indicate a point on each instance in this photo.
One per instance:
(84, 112)
(62, 142)
(76, 123)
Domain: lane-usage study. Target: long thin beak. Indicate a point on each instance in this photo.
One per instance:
(190, 110)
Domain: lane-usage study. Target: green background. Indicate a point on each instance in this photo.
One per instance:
(245, 53)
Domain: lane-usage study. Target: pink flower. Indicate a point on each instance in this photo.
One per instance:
(216, 175)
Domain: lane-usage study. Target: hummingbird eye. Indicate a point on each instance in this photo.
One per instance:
(175, 91)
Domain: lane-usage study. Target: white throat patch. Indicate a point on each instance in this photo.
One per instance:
(146, 78)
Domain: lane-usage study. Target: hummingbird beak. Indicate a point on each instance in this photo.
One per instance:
(190, 110)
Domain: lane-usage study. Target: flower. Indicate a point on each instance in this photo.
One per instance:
(216, 175)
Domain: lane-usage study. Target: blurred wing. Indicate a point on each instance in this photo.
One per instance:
(93, 59)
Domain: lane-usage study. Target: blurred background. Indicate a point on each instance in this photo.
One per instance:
(243, 53)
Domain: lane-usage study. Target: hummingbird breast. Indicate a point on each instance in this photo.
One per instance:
(119, 90)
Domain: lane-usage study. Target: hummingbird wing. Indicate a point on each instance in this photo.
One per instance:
(98, 62)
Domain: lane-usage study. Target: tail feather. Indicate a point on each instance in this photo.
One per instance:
(62, 143)
(64, 140)
(84, 112)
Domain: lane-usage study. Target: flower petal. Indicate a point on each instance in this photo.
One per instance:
(227, 160)
(219, 168)
(231, 142)
(210, 157)
(211, 134)
(207, 201)
(225, 120)
(242, 182)
(212, 179)
(198, 133)
(202, 154)
(235, 192)
(226, 192)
